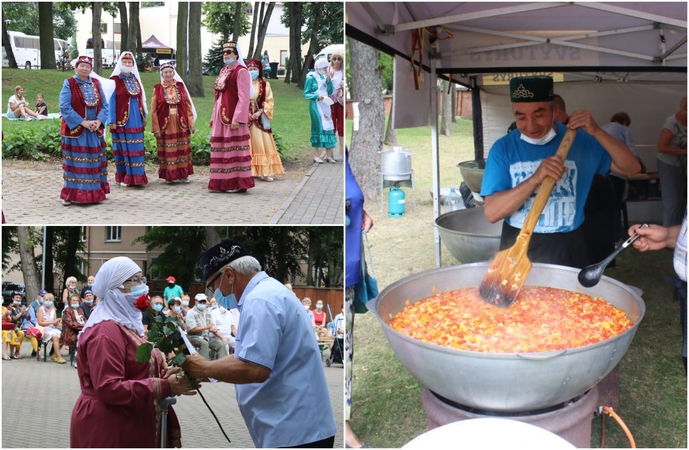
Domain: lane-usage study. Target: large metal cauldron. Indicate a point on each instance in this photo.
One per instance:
(394, 163)
(507, 382)
(468, 235)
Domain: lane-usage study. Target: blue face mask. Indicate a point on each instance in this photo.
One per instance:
(215, 306)
(201, 306)
(18, 303)
(229, 61)
(227, 301)
(177, 309)
(88, 302)
(75, 305)
(136, 292)
(48, 304)
(185, 303)
(254, 74)
(158, 307)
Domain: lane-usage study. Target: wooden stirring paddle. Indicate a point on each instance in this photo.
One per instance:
(511, 267)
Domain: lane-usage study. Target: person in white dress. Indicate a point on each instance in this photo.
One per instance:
(48, 321)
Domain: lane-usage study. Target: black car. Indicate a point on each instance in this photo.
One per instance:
(9, 289)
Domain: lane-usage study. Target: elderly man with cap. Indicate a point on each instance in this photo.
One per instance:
(520, 161)
(203, 334)
(172, 290)
(87, 303)
(277, 368)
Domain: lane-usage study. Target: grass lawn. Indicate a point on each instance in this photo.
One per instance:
(386, 406)
(291, 120)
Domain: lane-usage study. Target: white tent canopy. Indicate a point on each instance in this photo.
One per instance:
(605, 57)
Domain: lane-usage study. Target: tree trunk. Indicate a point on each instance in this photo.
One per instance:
(296, 22)
(133, 29)
(31, 281)
(49, 260)
(312, 256)
(8, 47)
(390, 133)
(454, 103)
(263, 28)
(312, 45)
(250, 53)
(195, 83)
(97, 9)
(72, 245)
(212, 237)
(45, 23)
(366, 89)
(182, 20)
(446, 114)
(124, 27)
(237, 22)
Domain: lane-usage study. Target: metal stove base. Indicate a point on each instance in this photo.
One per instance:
(571, 422)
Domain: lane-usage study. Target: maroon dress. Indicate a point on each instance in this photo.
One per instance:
(117, 406)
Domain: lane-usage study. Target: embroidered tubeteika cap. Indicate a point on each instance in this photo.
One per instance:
(221, 255)
(531, 89)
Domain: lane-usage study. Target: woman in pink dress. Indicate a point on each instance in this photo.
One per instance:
(118, 406)
(230, 150)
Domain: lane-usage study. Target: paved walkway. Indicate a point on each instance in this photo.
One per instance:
(310, 195)
(38, 397)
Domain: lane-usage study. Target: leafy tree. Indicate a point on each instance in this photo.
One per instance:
(292, 18)
(194, 76)
(23, 17)
(10, 246)
(213, 61)
(182, 29)
(220, 17)
(151, 4)
(45, 20)
(329, 30)
(73, 49)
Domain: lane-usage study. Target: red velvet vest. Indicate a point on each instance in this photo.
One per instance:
(163, 109)
(79, 106)
(122, 98)
(230, 94)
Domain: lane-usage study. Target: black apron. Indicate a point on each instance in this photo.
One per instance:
(564, 249)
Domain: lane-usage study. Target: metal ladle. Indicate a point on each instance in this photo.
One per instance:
(589, 276)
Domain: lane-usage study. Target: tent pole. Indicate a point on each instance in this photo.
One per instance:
(478, 119)
(436, 158)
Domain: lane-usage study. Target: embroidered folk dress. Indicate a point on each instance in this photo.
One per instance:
(117, 406)
(127, 112)
(322, 128)
(230, 150)
(265, 160)
(83, 151)
(172, 115)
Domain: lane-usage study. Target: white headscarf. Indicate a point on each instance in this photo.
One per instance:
(241, 61)
(135, 71)
(112, 304)
(321, 63)
(106, 83)
(178, 78)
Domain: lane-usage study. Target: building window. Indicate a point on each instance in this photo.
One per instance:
(113, 234)
(154, 272)
(117, 28)
(82, 234)
(83, 267)
(283, 57)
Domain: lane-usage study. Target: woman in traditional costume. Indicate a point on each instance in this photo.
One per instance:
(127, 117)
(118, 406)
(317, 88)
(337, 108)
(172, 123)
(84, 108)
(265, 160)
(230, 151)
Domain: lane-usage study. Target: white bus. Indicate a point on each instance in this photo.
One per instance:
(27, 50)
(109, 51)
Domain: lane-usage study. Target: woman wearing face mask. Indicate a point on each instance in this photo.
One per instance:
(320, 320)
(172, 123)
(69, 290)
(84, 109)
(175, 309)
(317, 88)
(338, 98)
(230, 150)
(73, 322)
(127, 116)
(48, 323)
(116, 407)
(265, 160)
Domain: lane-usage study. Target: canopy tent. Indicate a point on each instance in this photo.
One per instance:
(624, 56)
(153, 45)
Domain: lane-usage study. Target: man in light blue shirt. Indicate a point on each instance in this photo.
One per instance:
(277, 366)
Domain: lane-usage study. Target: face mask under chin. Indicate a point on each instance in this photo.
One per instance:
(549, 136)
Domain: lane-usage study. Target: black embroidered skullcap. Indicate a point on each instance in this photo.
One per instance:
(221, 255)
(531, 89)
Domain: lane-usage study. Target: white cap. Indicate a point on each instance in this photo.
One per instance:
(201, 296)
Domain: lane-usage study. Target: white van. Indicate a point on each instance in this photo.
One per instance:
(329, 50)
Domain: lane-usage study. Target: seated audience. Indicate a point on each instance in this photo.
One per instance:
(87, 304)
(73, 321)
(18, 315)
(48, 321)
(175, 310)
(221, 317)
(148, 318)
(202, 332)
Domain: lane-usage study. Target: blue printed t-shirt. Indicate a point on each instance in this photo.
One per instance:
(512, 160)
(292, 406)
(353, 195)
(171, 292)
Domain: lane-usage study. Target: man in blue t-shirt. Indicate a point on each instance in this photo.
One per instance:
(519, 162)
